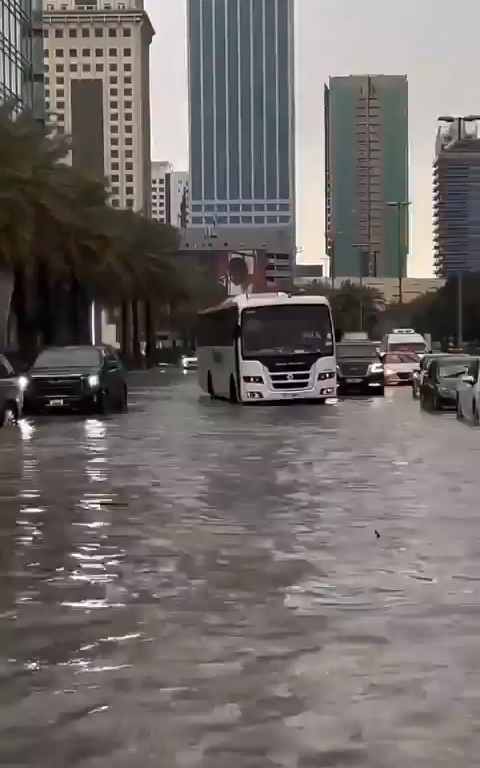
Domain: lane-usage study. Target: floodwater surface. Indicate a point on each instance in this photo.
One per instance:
(197, 585)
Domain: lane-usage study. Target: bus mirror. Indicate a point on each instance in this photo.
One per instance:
(338, 335)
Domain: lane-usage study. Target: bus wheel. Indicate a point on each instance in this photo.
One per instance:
(233, 391)
(210, 385)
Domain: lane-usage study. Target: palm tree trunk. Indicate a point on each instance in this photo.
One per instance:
(74, 310)
(137, 355)
(26, 338)
(125, 329)
(44, 309)
(150, 338)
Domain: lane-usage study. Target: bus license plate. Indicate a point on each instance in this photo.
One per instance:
(354, 381)
(292, 396)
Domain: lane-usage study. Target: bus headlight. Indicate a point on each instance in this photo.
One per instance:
(325, 375)
(253, 379)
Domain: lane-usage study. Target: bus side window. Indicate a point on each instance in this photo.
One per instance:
(217, 329)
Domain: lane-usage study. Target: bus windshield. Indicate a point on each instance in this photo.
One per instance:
(282, 329)
(407, 346)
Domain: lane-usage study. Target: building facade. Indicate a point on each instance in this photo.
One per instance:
(366, 175)
(170, 194)
(241, 97)
(21, 54)
(98, 90)
(456, 201)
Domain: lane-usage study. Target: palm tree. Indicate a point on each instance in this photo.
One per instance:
(57, 229)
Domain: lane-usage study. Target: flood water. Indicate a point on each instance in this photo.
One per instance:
(195, 585)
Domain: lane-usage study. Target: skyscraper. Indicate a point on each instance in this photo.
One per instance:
(21, 58)
(366, 175)
(456, 199)
(242, 114)
(97, 90)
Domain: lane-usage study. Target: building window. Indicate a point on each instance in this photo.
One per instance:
(59, 53)
(128, 128)
(45, 32)
(59, 68)
(73, 67)
(129, 178)
(129, 190)
(72, 32)
(85, 32)
(59, 33)
(127, 68)
(60, 93)
(128, 117)
(129, 166)
(128, 152)
(86, 68)
(127, 32)
(99, 67)
(127, 92)
(72, 53)
(112, 32)
(127, 52)
(114, 105)
(60, 80)
(114, 129)
(112, 52)
(60, 105)
(114, 117)
(99, 52)
(115, 178)
(86, 52)
(114, 143)
(115, 166)
(98, 32)
(113, 68)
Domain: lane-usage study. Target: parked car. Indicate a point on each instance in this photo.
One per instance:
(438, 389)
(359, 369)
(11, 393)
(82, 378)
(419, 373)
(400, 367)
(468, 393)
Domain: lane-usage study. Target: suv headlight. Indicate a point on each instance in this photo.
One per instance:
(375, 368)
(23, 382)
(94, 380)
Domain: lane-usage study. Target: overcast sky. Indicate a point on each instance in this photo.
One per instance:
(435, 42)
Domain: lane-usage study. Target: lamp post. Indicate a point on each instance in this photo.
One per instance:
(399, 206)
(459, 121)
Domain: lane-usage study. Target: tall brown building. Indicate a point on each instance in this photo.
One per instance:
(97, 84)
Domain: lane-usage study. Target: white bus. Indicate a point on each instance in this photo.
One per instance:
(268, 346)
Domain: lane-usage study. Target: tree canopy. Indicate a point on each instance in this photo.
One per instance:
(354, 306)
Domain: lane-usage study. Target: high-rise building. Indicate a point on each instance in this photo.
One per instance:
(21, 54)
(241, 97)
(456, 199)
(98, 90)
(169, 194)
(366, 175)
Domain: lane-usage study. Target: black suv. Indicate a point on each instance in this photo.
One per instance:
(359, 369)
(86, 378)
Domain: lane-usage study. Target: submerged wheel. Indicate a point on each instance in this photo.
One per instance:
(210, 389)
(459, 410)
(476, 415)
(233, 397)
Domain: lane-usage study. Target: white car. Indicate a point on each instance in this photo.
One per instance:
(399, 367)
(468, 394)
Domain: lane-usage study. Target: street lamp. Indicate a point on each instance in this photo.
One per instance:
(399, 206)
(459, 121)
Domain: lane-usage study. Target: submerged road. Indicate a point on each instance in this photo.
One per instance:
(196, 585)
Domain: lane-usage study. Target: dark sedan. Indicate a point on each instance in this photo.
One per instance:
(359, 370)
(80, 378)
(438, 389)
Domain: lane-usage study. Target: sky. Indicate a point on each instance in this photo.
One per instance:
(434, 42)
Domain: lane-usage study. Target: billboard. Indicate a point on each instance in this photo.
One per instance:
(234, 272)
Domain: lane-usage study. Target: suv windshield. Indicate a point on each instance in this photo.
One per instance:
(452, 369)
(365, 351)
(287, 329)
(406, 346)
(69, 357)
